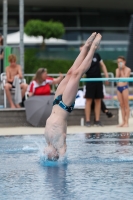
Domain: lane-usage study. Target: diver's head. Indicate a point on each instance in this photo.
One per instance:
(51, 153)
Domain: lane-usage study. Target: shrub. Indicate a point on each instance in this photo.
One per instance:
(32, 63)
(46, 29)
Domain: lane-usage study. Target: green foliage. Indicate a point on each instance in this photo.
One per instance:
(45, 29)
(53, 29)
(111, 66)
(34, 28)
(32, 63)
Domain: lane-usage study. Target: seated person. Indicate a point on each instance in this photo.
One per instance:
(12, 71)
(41, 83)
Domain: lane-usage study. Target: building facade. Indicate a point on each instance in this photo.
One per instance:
(80, 18)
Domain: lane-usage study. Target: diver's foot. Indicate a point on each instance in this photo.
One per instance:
(96, 41)
(89, 41)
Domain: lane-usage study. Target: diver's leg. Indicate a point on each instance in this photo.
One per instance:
(75, 65)
(70, 91)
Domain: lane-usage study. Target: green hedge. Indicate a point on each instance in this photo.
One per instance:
(111, 65)
(32, 63)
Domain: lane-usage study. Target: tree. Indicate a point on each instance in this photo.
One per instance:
(46, 29)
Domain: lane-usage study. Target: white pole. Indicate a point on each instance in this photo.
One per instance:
(5, 14)
(21, 27)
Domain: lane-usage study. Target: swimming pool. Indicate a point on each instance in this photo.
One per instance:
(97, 166)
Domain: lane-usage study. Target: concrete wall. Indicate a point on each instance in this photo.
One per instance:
(17, 118)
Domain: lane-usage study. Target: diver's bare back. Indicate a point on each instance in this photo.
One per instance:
(56, 127)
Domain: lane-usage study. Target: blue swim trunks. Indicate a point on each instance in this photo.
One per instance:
(121, 88)
(58, 101)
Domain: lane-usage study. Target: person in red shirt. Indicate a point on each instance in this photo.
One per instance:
(41, 83)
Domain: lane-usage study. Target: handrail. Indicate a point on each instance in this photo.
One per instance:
(32, 75)
(110, 74)
(107, 79)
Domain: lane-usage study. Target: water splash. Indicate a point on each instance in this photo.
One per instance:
(28, 149)
(94, 160)
(44, 161)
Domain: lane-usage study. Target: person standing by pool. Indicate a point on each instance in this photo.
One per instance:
(104, 109)
(94, 90)
(122, 90)
(56, 124)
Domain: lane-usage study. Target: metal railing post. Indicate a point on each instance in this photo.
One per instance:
(112, 90)
(5, 16)
(21, 27)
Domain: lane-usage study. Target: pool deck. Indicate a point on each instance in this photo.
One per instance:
(70, 129)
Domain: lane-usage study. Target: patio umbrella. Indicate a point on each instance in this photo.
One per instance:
(38, 109)
(14, 38)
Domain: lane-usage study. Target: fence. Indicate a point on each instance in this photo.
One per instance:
(28, 78)
(111, 89)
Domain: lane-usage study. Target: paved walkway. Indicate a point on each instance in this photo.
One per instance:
(70, 130)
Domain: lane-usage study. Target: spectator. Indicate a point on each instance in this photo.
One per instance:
(104, 109)
(41, 83)
(94, 90)
(1, 54)
(12, 71)
(123, 90)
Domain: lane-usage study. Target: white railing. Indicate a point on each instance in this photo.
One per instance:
(111, 84)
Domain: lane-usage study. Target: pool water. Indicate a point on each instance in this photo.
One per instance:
(96, 166)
